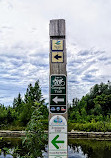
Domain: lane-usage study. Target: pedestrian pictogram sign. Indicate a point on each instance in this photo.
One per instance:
(57, 57)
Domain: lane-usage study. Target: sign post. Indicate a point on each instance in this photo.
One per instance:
(57, 91)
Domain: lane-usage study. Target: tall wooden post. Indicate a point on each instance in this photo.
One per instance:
(57, 91)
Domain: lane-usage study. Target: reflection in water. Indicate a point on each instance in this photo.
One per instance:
(75, 153)
(78, 148)
(72, 153)
(6, 156)
(92, 148)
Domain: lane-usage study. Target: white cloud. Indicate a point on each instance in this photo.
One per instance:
(24, 44)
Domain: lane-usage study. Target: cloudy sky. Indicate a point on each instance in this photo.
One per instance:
(24, 44)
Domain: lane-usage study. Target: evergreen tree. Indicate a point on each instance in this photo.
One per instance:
(33, 94)
(17, 103)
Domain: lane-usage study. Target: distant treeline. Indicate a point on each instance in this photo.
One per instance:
(92, 112)
(20, 113)
(94, 106)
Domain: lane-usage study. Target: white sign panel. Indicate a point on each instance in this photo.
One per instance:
(58, 124)
(58, 137)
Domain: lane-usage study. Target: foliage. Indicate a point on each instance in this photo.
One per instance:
(95, 105)
(90, 126)
(91, 113)
(33, 94)
(35, 135)
(20, 114)
(31, 113)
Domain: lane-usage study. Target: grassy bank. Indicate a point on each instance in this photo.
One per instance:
(88, 127)
(12, 127)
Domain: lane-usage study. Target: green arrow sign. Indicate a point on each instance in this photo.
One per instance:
(55, 141)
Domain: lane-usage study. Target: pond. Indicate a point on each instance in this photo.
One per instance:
(77, 148)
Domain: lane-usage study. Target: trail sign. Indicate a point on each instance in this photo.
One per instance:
(58, 84)
(57, 57)
(58, 144)
(58, 109)
(57, 44)
(58, 137)
(58, 94)
(57, 124)
(58, 100)
(57, 140)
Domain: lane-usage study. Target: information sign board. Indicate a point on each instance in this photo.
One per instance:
(57, 57)
(57, 140)
(58, 137)
(58, 94)
(58, 100)
(57, 124)
(58, 84)
(57, 45)
(58, 109)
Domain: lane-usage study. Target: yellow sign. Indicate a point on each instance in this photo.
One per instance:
(57, 44)
(57, 57)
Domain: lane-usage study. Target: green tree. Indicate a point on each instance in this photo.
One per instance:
(105, 102)
(34, 94)
(18, 104)
(35, 136)
(94, 105)
(3, 115)
(10, 118)
(83, 114)
(75, 102)
(25, 114)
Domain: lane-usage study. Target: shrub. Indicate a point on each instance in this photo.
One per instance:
(88, 127)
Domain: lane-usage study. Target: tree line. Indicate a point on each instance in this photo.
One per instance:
(21, 111)
(96, 105)
(90, 113)
(93, 107)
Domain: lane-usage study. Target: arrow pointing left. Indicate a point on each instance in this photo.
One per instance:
(56, 100)
(57, 56)
(55, 141)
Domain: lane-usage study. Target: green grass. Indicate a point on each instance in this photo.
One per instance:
(89, 127)
(12, 127)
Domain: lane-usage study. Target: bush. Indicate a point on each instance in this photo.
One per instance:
(88, 127)
(35, 137)
(45, 124)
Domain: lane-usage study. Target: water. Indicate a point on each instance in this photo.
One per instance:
(77, 148)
